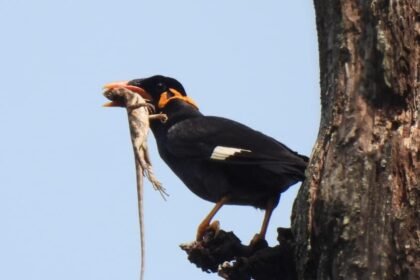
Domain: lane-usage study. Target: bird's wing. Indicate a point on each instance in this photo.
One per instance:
(226, 141)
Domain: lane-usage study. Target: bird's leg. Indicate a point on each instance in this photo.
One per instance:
(205, 224)
(271, 204)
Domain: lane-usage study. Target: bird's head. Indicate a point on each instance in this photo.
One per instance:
(157, 90)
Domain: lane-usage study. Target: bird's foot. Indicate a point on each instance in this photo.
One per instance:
(258, 241)
(203, 228)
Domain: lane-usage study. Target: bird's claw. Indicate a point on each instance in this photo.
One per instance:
(205, 227)
(258, 241)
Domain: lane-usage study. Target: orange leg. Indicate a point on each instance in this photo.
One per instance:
(205, 224)
(267, 215)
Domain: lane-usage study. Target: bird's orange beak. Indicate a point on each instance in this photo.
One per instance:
(124, 84)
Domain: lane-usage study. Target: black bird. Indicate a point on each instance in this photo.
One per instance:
(218, 159)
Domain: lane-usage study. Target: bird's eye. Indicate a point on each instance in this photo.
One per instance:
(161, 87)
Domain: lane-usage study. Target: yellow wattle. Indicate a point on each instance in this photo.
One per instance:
(164, 100)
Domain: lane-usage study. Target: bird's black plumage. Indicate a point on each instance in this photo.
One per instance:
(218, 159)
(260, 169)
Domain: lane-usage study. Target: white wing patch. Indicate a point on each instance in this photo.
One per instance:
(222, 153)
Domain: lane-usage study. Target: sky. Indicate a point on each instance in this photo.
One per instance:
(68, 205)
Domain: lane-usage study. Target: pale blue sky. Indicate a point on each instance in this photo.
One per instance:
(67, 187)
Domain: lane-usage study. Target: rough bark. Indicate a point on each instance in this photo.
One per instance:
(357, 214)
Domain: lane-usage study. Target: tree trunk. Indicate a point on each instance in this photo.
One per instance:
(357, 214)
